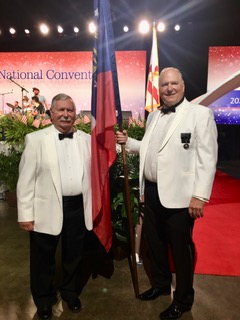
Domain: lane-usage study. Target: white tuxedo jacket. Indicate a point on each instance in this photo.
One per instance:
(39, 185)
(182, 173)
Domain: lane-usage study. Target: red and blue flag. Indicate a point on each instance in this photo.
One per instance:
(106, 112)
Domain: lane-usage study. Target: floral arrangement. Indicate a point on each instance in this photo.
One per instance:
(15, 126)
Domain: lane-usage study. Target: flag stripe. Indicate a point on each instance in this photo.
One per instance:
(152, 92)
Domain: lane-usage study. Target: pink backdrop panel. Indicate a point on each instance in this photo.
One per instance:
(70, 73)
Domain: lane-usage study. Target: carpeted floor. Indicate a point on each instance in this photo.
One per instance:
(217, 235)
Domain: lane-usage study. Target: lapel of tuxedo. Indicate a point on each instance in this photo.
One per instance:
(51, 153)
(177, 120)
(150, 127)
(147, 136)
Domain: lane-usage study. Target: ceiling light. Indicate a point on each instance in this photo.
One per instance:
(92, 27)
(44, 29)
(60, 29)
(177, 27)
(161, 27)
(12, 30)
(144, 27)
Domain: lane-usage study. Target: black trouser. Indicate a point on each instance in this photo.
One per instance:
(169, 227)
(42, 256)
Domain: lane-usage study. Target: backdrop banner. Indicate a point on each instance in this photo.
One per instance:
(70, 73)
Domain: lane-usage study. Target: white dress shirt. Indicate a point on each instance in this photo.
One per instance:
(157, 136)
(69, 159)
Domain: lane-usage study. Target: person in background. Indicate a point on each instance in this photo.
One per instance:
(41, 98)
(16, 107)
(27, 107)
(38, 108)
(178, 156)
(54, 200)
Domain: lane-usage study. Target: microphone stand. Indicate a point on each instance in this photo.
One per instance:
(3, 96)
(22, 89)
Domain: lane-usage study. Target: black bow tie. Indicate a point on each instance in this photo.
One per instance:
(166, 110)
(65, 135)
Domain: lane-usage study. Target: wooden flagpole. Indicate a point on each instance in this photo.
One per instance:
(132, 261)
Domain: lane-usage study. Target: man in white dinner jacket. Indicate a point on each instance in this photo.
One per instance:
(178, 156)
(54, 199)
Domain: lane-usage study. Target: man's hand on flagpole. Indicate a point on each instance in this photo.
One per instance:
(121, 137)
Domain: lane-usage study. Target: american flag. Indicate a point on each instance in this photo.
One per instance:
(77, 121)
(45, 122)
(140, 123)
(86, 119)
(36, 123)
(24, 119)
(130, 121)
(152, 92)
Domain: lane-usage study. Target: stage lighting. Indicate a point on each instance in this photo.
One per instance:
(144, 27)
(92, 27)
(177, 27)
(44, 29)
(161, 26)
(12, 30)
(60, 29)
(125, 28)
(27, 31)
(76, 29)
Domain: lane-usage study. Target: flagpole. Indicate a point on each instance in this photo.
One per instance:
(103, 144)
(132, 262)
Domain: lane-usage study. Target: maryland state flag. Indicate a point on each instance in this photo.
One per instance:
(106, 111)
(152, 91)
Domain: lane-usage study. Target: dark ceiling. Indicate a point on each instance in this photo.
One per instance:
(204, 23)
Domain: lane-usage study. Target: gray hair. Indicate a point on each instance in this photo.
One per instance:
(62, 97)
(174, 69)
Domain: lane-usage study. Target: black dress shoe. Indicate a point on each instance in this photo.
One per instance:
(173, 312)
(74, 305)
(45, 313)
(153, 293)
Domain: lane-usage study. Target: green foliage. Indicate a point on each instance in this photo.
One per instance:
(85, 127)
(118, 204)
(120, 218)
(9, 163)
(14, 130)
(132, 160)
(134, 130)
(119, 211)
